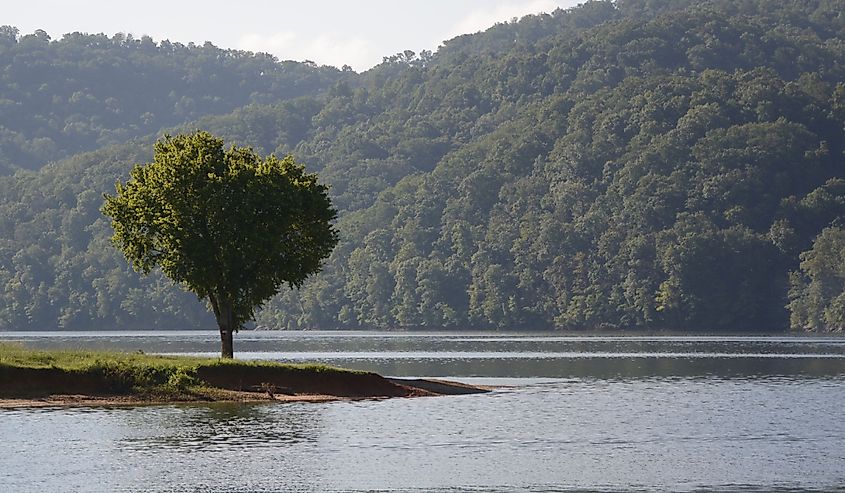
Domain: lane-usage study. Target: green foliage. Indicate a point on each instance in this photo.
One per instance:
(180, 379)
(224, 223)
(82, 92)
(17, 355)
(817, 296)
(115, 372)
(629, 164)
(141, 374)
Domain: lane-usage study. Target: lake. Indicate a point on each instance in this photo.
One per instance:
(591, 412)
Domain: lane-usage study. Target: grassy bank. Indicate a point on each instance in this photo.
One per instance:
(30, 374)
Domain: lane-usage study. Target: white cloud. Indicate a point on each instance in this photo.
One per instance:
(324, 49)
(331, 49)
(273, 43)
(479, 20)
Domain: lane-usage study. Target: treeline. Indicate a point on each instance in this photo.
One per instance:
(639, 164)
(83, 92)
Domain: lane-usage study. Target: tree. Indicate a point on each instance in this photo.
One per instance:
(817, 296)
(225, 223)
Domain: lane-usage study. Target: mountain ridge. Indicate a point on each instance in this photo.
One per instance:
(633, 165)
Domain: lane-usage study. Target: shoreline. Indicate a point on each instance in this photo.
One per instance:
(412, 387)
(30, 378)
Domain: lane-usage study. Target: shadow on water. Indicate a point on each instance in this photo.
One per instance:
(229, 426)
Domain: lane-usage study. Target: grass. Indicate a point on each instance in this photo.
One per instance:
(74, 359)
(146, 375)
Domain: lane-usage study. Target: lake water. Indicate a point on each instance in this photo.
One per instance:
(572, 413)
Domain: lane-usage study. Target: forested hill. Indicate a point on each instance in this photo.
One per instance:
(635, 164)
(82, 92)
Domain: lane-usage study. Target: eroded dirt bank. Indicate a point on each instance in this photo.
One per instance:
(43, 387)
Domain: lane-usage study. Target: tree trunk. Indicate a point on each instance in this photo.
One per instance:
(226, 348)
(226, 322)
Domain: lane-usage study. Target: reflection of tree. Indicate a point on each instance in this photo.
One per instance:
(247, 447)
(229, 426)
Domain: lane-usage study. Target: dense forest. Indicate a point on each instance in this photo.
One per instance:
(83, 92)
(638, 164)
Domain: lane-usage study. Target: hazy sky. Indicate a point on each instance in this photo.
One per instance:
(331, 32)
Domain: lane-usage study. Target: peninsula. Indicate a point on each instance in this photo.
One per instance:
(30, 378)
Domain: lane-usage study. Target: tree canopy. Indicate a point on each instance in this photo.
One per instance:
(224, 223)
(632, 164)
(59, 97)
(817, 296)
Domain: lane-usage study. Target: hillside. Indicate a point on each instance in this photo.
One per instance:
(86, 91)
(638, 164)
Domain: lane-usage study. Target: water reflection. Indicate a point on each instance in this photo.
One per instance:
(381, 342)
(599, 435)
(596, 413)
(593, 368)
(500, 355)
(221, 426)
(218, 447)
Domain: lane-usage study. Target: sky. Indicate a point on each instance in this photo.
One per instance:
(358, 33)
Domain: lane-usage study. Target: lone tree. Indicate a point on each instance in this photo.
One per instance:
(227, 224)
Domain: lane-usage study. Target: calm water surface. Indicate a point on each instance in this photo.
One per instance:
(573, 413)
